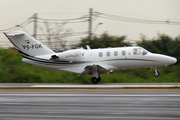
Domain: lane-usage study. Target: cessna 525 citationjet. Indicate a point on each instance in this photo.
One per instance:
(87, 61)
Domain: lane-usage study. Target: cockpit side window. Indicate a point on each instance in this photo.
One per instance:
(136, 51)
(143, 51)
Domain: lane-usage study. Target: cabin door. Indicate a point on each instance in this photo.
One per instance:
(82, 50)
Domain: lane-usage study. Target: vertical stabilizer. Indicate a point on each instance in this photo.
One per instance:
(26, 44)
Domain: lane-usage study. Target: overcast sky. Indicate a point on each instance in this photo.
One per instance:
(14, 12)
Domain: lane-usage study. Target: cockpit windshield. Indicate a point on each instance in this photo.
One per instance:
(138, 51)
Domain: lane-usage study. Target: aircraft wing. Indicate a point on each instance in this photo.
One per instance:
(101, 69)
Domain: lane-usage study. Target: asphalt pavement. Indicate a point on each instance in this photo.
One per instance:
(96, 105)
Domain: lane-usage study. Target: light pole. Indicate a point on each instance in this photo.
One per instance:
(96, 28)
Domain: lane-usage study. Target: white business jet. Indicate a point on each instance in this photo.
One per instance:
(87, 61)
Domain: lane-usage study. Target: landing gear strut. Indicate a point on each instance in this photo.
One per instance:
(96, 76)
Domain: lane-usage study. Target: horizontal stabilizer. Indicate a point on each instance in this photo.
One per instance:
(14, 33)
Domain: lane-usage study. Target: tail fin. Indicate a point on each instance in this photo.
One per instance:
(26, 44)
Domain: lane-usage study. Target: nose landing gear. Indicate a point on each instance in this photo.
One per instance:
(156, 73)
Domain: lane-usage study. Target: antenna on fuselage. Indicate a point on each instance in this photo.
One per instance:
(87, 46)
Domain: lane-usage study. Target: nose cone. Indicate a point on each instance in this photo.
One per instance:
(164, 60)
(167, 60)
(173, 60)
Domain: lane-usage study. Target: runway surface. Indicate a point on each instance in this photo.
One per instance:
(88, 106)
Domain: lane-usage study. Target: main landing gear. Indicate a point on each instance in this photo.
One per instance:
(156, 73)
(95, 80)
(96, 76)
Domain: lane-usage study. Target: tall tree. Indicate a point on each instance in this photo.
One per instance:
(56, 34)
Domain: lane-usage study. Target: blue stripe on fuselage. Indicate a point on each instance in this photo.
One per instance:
(46, 60)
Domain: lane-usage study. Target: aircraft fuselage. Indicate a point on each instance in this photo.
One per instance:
(111, 58)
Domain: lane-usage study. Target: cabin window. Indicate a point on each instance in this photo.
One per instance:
(115, 53)
(100, 54)
(123, 53)
(108, 54)
(136, 51)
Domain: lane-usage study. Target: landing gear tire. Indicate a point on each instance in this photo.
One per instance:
(95, 80)
(156, 73)
(99, 79)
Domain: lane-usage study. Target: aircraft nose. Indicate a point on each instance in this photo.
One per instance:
(173, 60)
(170, 60)
(166, 60)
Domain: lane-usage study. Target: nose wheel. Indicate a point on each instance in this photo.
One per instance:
(156, 73)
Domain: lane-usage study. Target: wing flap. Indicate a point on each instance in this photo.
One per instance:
(100, 69)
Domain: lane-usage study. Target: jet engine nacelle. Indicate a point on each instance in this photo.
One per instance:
(72, 55)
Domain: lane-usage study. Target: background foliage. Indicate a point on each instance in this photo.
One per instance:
(105, 40)
(13, 70)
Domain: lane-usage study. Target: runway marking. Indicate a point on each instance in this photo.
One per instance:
(81, 86)
(118, 113)
(100, 86)
(90, 95)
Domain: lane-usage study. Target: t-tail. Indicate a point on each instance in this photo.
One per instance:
(27, 45)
